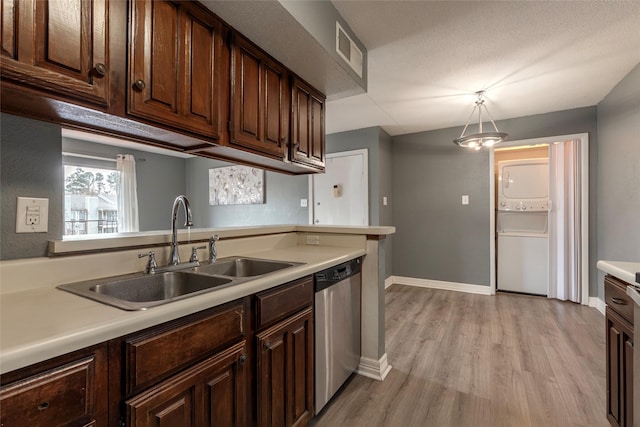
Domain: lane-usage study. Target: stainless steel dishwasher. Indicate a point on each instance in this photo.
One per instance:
(337, 318)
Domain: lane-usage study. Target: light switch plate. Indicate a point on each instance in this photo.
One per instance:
(32, 215)
(303, 203)
(465, 199)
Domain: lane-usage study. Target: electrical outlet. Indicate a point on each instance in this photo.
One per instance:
(32, 215)
(303, 203)
(313, 240)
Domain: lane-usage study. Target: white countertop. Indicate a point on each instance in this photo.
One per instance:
(623, 270)
(40, 323)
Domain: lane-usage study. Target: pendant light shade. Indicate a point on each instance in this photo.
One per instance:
(480, 139)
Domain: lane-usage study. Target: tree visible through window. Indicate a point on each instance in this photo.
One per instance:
(90, 200)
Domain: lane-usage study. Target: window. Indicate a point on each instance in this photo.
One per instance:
(90, 200)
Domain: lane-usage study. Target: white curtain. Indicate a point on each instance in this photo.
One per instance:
(127, 194)
(565, 221)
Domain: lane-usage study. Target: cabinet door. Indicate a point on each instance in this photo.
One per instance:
(614, 342)
(177, 66)
(627, 374)
(59, 46)
(259, 94)
(619, 370)
(211, 393)
(285, 372)
(307, 116)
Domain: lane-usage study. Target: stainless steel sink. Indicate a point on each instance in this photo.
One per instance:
(141, 291)
(243, 267)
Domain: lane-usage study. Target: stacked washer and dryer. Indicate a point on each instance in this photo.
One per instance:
(522, 226)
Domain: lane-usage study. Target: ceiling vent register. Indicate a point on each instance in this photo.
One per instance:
(348, 50)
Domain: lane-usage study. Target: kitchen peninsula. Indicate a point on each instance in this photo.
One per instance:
(40, 322)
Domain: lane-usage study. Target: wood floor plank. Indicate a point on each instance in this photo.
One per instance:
(473, 360)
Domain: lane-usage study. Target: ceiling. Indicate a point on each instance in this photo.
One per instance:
(427, 58)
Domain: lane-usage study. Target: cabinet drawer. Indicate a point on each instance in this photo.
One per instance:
(62, 396)
(278, 303)
(159, 352)
(615, 296)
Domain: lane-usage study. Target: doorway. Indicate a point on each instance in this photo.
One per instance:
(340, 196)
(522, 210)
(582, 158)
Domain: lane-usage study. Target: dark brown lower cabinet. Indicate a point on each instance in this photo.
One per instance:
(285, 372)
(210, 393)
(198, 370)
(619, 370)
(70, 390)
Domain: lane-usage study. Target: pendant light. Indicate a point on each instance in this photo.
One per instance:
(480, 139)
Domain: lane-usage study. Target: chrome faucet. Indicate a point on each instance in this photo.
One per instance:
(174, 258)
(213, 251)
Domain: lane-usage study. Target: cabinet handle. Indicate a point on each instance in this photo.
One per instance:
(618, 301)
(243, 358)
(139, 84)
(101, 69)
(43, 406)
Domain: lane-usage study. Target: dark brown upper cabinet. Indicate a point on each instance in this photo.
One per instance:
(307, 125)
(178, 66)
(58, 47)
(259, 100)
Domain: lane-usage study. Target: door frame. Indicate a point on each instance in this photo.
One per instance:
(584, 217)
(365, 154)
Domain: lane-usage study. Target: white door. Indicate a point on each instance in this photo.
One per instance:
(340, 196)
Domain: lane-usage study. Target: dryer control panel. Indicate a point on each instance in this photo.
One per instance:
(524, 205)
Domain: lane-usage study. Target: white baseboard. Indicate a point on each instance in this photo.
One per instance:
(388, 282)
(597, 303)
(437, 284)
(376, 369)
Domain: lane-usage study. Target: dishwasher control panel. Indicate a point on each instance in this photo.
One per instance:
(325, 278)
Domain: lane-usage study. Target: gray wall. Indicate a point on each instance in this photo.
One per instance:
(159, 178)
(378, 144)
(282, 199)
(437, 237)
(384, 181)
(619, 173)
(30, 163)
(319, 18)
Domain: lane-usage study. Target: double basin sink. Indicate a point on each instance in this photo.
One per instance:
(141, 291)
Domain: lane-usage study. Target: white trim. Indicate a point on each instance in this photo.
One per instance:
(364, 152)
(597, 303)
(376, 369)
(388, 282)
(584, 160)
(437, 284)
(492, 222)
(584, 157)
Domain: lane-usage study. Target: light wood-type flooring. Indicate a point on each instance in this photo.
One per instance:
(473, 360)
